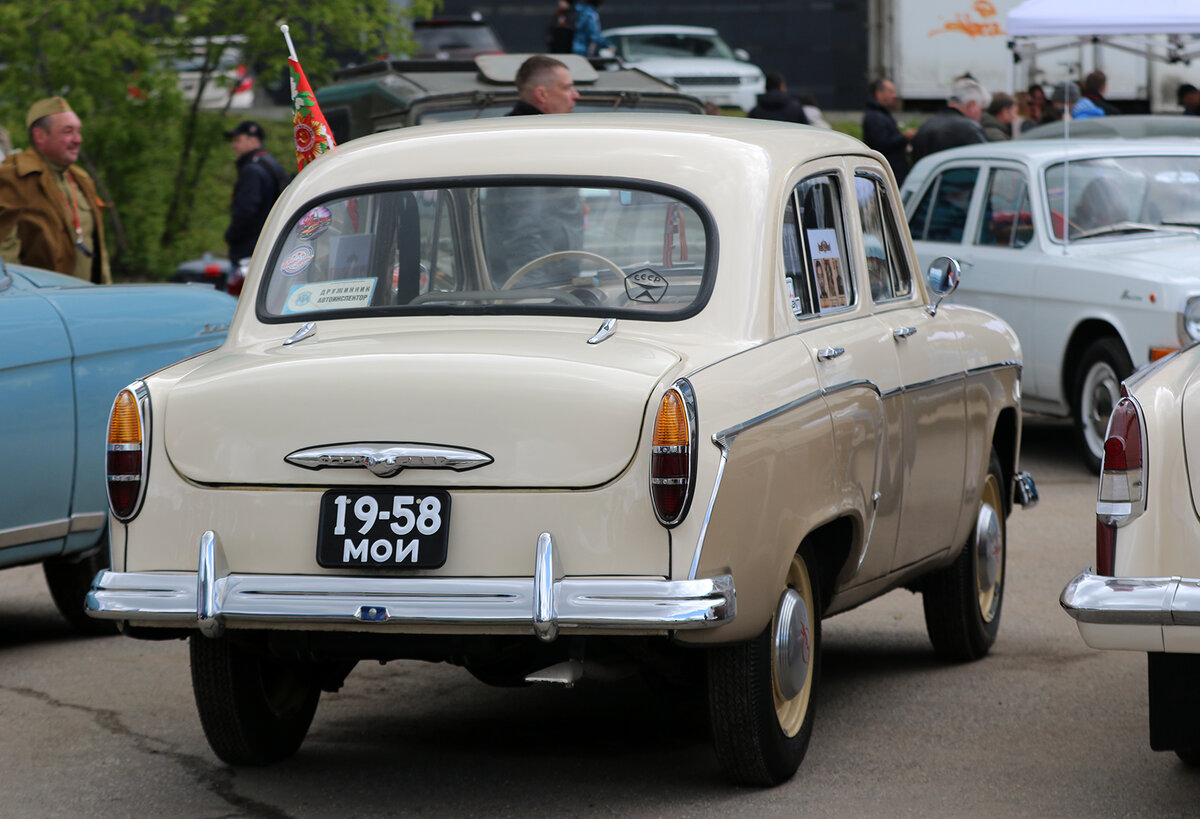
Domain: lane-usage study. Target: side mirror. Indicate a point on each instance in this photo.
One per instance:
(942, 277)
(742, 54)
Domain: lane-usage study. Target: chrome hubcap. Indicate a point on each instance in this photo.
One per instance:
(989, 550)
(1100, 392)
(793, 644)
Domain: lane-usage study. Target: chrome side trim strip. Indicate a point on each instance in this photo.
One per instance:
(725, 437)
(695, 567)
(542, 605)
(1132, 601)
(89, 522)
(388, 459)
(34, 532)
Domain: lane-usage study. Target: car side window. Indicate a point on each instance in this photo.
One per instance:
(887, 265)
(1006, 218)
(438, 251)
(816, 262)
(942, 214)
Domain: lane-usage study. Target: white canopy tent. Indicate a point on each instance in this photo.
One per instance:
(1159, 30)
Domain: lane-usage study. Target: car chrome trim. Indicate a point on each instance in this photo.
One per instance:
(305, 330)
(88, 522)
(725, 437)
(607, 328)
(695, 567)
(34, 532)
(544, 604)
(388, 459)
(1132, 601)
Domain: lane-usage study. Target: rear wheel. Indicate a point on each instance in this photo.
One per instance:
(962, 602)
(762, 693)
(70, 579)
(255, 709)
(1097, 388)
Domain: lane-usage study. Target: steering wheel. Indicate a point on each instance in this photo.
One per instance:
(564, 296)
(520, 272)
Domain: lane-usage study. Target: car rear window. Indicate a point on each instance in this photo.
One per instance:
(497, 248)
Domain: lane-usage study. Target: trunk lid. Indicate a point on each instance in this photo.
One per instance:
(549, 410)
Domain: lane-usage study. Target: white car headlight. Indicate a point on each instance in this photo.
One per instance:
(1189, 329)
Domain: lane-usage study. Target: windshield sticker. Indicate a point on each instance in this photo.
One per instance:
(645, 286)
(314, 223)
(335, 295)
(827, 268)
(350, 255)
(297, 261)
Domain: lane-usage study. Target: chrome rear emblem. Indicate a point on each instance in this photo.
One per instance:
(386, 460)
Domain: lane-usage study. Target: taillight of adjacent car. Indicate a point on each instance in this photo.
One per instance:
(1122, 495)
(128, 455)
(673, 454)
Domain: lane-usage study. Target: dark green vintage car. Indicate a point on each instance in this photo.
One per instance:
(389, 94)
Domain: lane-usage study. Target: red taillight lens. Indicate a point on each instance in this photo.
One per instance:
(671, 465)
(1122, 495)
(125, 461)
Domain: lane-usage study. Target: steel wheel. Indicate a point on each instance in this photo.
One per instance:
(792, 666)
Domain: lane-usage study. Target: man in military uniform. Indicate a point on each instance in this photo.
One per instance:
(50, 215)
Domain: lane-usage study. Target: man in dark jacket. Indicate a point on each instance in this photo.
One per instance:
(957, 123)
(880, 130)
(1094, 86)
(259, 182)
(777, 103)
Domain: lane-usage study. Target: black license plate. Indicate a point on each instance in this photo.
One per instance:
(391, 528)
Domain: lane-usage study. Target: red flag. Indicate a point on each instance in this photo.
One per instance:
(313, 136)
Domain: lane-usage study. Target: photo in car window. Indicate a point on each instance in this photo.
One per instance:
(816, 266)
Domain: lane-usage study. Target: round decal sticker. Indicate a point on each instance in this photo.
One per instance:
(297, 261)
(314, 222)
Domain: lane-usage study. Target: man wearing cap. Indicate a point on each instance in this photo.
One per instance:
(259, 182)
(50, 215)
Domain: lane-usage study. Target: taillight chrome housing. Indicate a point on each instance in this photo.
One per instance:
(1122, 494)
(673, 454)
(127, 460)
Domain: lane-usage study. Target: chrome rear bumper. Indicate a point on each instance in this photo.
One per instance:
(1132, 601)
(210, 598)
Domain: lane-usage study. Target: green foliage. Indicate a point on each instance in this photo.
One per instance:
(160, 160)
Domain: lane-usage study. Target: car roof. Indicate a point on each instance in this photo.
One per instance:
(1126, 126)
(1039, 151)
(662, 29)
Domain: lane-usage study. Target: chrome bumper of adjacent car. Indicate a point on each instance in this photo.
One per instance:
(1025, 493)
(1134, 613)
(211, 597)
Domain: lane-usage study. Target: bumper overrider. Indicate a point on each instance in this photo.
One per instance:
(211, 597)
(1135, 613)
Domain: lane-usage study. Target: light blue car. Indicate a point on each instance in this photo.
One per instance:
(67, 348)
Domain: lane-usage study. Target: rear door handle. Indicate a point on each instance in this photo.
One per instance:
(903, 332)
(826, 353)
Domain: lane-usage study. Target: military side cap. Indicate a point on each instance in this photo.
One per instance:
(45, 108)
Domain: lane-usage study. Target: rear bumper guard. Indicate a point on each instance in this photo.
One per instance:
(211, 597)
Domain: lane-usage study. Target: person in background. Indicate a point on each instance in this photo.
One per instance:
(880, 130)
(560, 36)
(997, 121)
(544, 86)
(588, 39)
(1188, 97)
(1035, 103)
(777, 104)
(260, 180)
(957, 123)
(50, 214)
(813, 111)
(1094, 86)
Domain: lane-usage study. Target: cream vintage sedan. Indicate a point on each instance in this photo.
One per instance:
(1143, 594)
(544, 396)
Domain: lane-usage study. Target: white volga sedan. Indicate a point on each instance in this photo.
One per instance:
(1118, 289)
(548, 396)
(1143, 594)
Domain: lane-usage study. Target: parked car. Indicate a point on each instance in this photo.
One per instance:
(229, 80)
(1126, 126)
(212, 271)
(66, 347)
(694, 58)
(1119, 290)
(553, 396)
(1143, 593)
(380, 96)
(456, 38)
